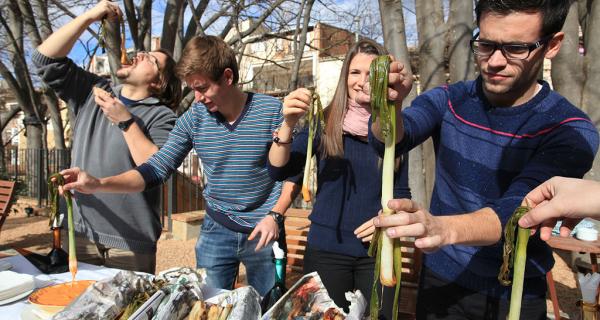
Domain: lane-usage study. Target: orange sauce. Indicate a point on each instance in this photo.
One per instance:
(60, 294)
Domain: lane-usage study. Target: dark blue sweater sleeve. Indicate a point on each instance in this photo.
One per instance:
(567, 151)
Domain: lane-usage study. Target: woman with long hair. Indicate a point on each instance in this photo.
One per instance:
(348, 179)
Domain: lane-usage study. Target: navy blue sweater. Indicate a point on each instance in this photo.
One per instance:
(348, 192)
(492, 157)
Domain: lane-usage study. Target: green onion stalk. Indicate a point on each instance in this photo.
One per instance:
(515, 260)
(388, 263)
(54, 182)
(316, 123)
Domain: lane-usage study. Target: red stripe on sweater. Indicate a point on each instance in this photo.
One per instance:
(512, 135)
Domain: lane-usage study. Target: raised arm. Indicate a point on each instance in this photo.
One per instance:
(60, 43)
(295, 105)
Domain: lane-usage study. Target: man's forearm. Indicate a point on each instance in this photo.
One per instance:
(60, 43)
(479, 228)
(140, 146)
(126, 182)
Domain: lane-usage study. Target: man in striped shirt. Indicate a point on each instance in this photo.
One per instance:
(230, 130)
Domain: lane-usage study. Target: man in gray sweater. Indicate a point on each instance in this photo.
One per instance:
(115, 130)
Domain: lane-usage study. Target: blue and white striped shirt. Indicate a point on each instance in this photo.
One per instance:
(239, 191)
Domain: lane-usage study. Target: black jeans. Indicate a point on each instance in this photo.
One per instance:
(341, 273)
(440, 299)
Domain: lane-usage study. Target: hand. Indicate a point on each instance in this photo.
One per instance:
(411, 220)
(78, 180)
(566, 199)
(399, 84)
(105, 9)
(399, 81)
(112, 107)
(365, 231)
(268, 230)
(295, 105)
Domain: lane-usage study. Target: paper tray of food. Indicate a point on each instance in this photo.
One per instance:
(308, 299)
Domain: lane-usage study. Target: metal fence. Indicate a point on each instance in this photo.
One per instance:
(32, 168)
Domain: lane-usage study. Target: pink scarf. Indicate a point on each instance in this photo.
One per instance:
(356, 120)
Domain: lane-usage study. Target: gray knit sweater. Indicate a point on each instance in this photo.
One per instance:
(126, 221)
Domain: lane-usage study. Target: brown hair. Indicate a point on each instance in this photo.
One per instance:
(208, 55)
(169, 86)
(332, 144)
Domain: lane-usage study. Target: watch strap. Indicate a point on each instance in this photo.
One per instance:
(124, 125)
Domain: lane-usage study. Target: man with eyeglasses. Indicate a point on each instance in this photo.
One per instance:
(116, 128)
(495, 138)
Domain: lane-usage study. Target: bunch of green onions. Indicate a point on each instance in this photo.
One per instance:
(54, 182)
(388, 263)
(515, 260)
(316, 123)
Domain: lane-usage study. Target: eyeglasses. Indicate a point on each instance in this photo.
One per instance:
(150, 57)
(514, 51)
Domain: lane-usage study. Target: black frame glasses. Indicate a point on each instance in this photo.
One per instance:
(511, 51)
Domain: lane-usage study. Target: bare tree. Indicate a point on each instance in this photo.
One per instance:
(575, 73)
(300, 40)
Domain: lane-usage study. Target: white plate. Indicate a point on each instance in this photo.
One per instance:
(16, 298)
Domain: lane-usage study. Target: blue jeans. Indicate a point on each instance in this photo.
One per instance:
(220, 251)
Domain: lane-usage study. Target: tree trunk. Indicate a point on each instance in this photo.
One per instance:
(394, 37)
(301, 42)
(432, 42)
(461, 63)
(567, 66)
(113, 47)
(145, 22)
(170, 25)
(591, 91)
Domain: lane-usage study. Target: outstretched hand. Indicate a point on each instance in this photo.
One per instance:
(566, 199)
(79, 180)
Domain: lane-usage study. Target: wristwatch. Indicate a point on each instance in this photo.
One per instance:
(123, 125)
(278, 217)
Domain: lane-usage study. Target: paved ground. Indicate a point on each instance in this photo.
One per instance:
(33, 234)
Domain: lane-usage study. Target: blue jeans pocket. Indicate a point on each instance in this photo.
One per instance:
(208, 225)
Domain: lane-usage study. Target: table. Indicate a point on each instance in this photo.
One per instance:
(21, 265)
(574, 245)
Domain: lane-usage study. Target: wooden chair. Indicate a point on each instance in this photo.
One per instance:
(7, 189)
(411, 272)
(296, 232)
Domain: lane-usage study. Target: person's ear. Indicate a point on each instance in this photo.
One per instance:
(228, 76)
(553, 46)
(155, 86)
